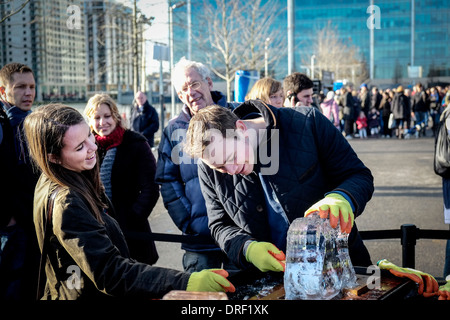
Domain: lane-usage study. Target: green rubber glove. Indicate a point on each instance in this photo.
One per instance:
(444, 291)
(265, 256)
(212, 280)
(337, 208)
(421, 278)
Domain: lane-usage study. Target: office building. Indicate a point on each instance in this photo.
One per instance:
(410, 37)
(39, 36)
(75, 48)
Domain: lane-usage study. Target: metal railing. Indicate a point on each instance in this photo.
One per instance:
(408, 235)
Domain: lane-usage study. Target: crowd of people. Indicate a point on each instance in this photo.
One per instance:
(88, 183)
(398, 112)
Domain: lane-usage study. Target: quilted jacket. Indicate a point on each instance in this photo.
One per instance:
(313, 159)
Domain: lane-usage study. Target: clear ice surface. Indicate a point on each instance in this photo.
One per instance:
(318, 266)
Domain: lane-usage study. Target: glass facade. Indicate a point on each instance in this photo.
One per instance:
(393, 49)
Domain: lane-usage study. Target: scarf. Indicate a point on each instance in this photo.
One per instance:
(112, 140)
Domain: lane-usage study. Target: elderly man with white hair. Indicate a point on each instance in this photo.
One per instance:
(177, 174)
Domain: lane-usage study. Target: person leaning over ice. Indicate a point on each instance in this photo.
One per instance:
(84, 238)
(262, 167)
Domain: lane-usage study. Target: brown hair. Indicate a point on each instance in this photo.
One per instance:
(297, 82)
(44, 130)
(102, 98)
(198, 135)
(263, 89)
(6, 73)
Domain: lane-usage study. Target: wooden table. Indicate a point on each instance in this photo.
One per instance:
(271, 287)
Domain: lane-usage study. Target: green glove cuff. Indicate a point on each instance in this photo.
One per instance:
(445, 287)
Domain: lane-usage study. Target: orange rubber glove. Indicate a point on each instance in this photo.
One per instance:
(337, 208)
(212, 280)
(444, 291)
(265, 256)
(424, 280)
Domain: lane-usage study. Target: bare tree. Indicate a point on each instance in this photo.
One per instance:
(336, 55)
(236, 33)
(258, 35)
(13, 11)
(220, 46)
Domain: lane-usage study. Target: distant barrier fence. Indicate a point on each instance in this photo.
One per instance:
(408, 235)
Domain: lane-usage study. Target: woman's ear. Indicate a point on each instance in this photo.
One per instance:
(53, 159)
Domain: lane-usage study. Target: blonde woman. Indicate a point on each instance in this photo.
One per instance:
(127, 170)
(268, 90)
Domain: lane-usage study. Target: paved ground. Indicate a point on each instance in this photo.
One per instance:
(406, 191)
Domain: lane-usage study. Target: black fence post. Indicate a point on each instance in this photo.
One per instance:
(408, 241)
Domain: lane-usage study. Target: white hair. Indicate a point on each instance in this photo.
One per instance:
(179, 70)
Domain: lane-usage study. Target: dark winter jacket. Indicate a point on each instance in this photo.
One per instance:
(25, 175)
(420, 102)
(314, 159)
(145, 122)
(348, 103)
(400, 106)
(178, 176)
(8, 163)
(376, 100)
(134, 191)
(365, 102)
(96, 253)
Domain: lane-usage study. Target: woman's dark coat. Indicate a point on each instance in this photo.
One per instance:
(134, 191)
(89, 260)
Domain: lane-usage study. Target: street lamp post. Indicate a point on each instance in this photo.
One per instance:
(172, 90)
(290, 35)
(266, 57)
(312, 66)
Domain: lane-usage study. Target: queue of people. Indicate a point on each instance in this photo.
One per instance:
(92, 182)
(399, 112)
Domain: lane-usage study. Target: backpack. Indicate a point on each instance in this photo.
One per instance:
(442, 148)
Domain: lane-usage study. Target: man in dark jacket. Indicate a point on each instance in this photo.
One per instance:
(347, 102)
(376, 98)
(144, 118)
(421, 109)
(263, 167)
(364, 96)
(401, 108)
(177, 174)
(20, 253)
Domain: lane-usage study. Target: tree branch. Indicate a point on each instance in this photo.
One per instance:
(14, 12)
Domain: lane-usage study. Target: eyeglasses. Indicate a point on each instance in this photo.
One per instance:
(193, 86)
